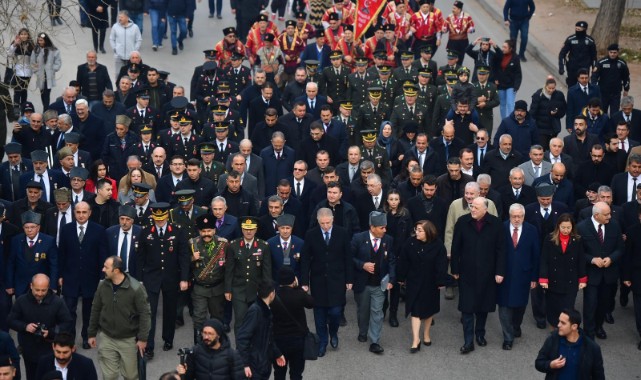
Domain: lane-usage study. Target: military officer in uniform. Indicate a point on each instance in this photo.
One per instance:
(32, 252)
(406, 71)
(371, 151)
(146, 146)
(223, 145)
(185, 144)
(578, 52)
(357, 82)
(487, 98)
(206, 88)
(141, 204)
(249, 262)
(142, 114)
(211, 168)
(222, 113)
(333, 81)
(612, 75)
(209, 254)
(292, 47)
(311, 65)
(344, 115)
(425, 61)
(238, 75)
(162, 263)
(388, 85)
(442, 105)
(373, 112)
(408, 110)
(451, 67)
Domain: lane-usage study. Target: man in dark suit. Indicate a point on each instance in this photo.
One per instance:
(258, 106)
(278, 161)
(374, 200)
(428, 206)
(302, 188)
(327, 267)
(579, 143)
(521, 272)
(335, 128)
(480, 148)
(65, 357)
(162, 263)
(49, 179)
(578, 97)
(316, 55)
(7, 232)
(555, 154)
(431, 162)
(80, 258)
(239, 201)
(57, 217)
(478, 263)
(451, 185)
(603, 248)
(118, 146)
(11, 170)
(267, 224)
(123, 239)
(500, 161)
(247, 181)
(167, 184)
(515, 192)
(81, 158)
(630, 115)
(285, 247)
(313, 101)
(253, 162)
(632, 269)
(374, 269)
(447, 145)
(226, 225)
(564, 192)
(90, 127)
(204, 187)
(32, 202)
(624, 184)
(297, 123)
(317, 141)
(158, 164)
(66, 103)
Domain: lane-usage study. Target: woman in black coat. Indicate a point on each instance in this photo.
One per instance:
(507, 76)
(547, 109)
(399, 225)
(562, 268)
(387, 140)
(422, 267)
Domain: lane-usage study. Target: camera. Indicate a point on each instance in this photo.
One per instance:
(40, 328)
(24, 122)
(183, 353)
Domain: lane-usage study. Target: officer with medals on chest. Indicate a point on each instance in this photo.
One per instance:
(208, 257)
(211, 168)
(249, 262)
(375, 153)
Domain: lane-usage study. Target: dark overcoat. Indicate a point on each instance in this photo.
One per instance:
(521, 266)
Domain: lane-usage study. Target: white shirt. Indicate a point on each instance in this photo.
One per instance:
(75, 159)
(378, 197)
(79, 195)
(121, 236)
(519, 230)
(45, 177)
(542, 209)
(596, 226)
(468, 172)
(62, 370)
(371, 239)
(176, 179)
(302, 185)
(247, 160)
(84, 228)
(553, 159)
(224, 142)
(631, 195)
(68, 219)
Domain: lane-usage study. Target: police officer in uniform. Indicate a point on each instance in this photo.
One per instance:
(208, 258)
(375, 153)
(143, 114)
(206, 88)
(141, 203)
(238, 75)
(146, 146)
(372, 113)
(333, 81)
(249, 262)
(487, 98)
(185, 144)
(578, 52)
(211, 168)
(611, 74)
(162, 264)
(357, 82)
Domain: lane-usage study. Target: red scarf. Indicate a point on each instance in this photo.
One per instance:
(565, 241)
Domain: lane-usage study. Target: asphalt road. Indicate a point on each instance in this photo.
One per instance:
(352, 359)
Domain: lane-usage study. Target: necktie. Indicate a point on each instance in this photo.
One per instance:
(375, 244)
(159, 171)
(76, 200)
(69, 175)
(537, 171)
(369, 152)
(327, 238)
(517, 193)
(236, 71)
(420, 159)
(141, 211)
(81, 235)
(142, 113)
(412, 110)
(30, 243)
(161, 233)
(42, 181)
(515, 237)
(547, 214)
(277, 155)
(222, 147)
(585, 90)
(284, 246)
(206, 169)
(124, 251)
(298, 121)
(634, 189)
(375, 202)
(600, 233)
(219, 223)
(298, 189)
(188, 213)
(123, 143)
(481, 156)
(352, 173)
(374, 109)
(63, 221)
(15, 182)
(447, 151)
(423, 89)
(623, 145)
(185, 141)
(312, 106)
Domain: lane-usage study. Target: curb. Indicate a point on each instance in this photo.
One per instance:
(534, 47)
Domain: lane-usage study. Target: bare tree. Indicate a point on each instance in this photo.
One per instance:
(607, 26)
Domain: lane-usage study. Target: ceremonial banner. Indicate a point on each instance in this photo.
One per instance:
(366, 11)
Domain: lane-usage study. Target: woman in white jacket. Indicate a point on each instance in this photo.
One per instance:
(125, 38)
(45, 62)
(19, 54)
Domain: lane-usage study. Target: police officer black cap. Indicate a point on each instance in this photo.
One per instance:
(179, 102)
(613, 47)
(210, 54)
(581, 24)
(235, 56)
(163, 74)
(133, 67)
(142, 92)
(209, 66)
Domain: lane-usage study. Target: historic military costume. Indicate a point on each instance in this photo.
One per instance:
(426, 27)
(256, 38)
(292, 47)
(458, 27)
(351, 49)
(224, 50)
(270, 58)
(332, 35)
(248, 263)
(208, 258)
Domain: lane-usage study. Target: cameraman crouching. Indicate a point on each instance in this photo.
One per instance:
(213, 357)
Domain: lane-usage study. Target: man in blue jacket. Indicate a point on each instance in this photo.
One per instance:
(517, 15)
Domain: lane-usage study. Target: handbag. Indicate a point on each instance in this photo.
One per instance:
(311, 346)
(9, 76)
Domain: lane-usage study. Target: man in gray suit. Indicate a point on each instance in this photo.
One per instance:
(536, 166)
(254, 164)
(247, 181)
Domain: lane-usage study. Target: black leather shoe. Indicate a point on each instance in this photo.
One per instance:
(174, 51)
(507, 346)
(466, 349)
(540, 324)
(149, 355)
(609, 319)
(85, 345)
(226, 328)
(523, 59)
(480, 340)
(167, 346)
(322, 351)
(333, 341)
(180, 45)
(517, 333)
(343, 321)
(393, 321)
(624, 299)
(362, 338)
(180, 322)
(191, 33)
(416, 349)
(211, 15)
(376, 348)
(600, 333)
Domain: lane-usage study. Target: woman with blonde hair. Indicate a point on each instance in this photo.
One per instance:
(126, 192)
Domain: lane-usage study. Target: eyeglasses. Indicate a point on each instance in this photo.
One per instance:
(299, 170)
(480, 138)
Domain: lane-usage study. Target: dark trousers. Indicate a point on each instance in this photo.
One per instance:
(21, 91)
(54, 7)
(459, 47)
(327, 320)
(184, 299)
(215, 6)
(610, 102)
(228, 313)
(511, 319)
(98, 38)
(169, 301)
(537, 296)
(596, 302)
(31, 368)
(636, 297)
(5, 308)
(523, 27)
(418, 45)
(470, 328)
(292, 349)
(279, 5)
(45, 97)
(72, 305)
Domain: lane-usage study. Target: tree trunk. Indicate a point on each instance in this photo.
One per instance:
(608, 24)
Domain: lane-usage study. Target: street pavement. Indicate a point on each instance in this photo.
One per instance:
(352, 359)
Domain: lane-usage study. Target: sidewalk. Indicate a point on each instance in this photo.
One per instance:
(549, 27)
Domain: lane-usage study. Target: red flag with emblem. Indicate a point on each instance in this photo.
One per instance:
(366, 11)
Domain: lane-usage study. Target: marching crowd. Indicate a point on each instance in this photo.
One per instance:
(308, 164)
